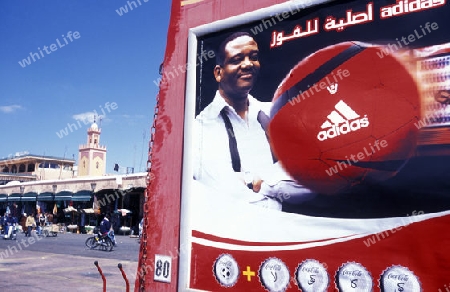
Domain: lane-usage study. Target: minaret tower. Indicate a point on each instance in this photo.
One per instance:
(92, 156)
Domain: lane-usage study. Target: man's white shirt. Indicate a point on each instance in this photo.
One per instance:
(212, 158)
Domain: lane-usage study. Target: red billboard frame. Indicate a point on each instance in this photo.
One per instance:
(165, 227)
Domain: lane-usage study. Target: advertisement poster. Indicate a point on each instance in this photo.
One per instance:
(318, 153)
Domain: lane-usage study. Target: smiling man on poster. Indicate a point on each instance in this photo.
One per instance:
(232, 154)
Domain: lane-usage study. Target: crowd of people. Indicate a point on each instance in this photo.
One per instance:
(27, 223)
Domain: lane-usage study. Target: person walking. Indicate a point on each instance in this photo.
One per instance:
(22, 222)
(29, 224)
(9, 225)
(40, 221)
(49, 217)
(4, 223)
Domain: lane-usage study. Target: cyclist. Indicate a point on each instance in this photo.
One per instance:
(105, 226)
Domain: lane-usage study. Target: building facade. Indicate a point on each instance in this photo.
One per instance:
(35, 167)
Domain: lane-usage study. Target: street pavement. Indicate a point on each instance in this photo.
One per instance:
(64, 263)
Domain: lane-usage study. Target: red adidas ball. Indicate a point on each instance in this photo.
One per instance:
(345, 115)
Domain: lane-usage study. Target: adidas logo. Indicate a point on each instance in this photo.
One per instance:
(342, 121)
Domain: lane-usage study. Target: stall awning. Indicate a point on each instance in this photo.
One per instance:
(3, 197)
(63, 196)
(14, 197)
(45, 196)
(83, 195)
(29, 197)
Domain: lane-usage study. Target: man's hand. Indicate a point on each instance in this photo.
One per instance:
(255, 180)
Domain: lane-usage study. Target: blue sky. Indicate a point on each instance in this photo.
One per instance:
(107, 59)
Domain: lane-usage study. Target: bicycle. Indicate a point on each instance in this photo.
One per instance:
(104, 242)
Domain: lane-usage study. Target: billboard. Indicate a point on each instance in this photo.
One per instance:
(316, 149)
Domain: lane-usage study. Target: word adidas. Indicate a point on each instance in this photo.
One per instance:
(342, 121)
(402, 7)
(343, 129)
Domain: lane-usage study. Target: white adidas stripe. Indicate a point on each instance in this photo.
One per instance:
(347, 111)
(336, 118)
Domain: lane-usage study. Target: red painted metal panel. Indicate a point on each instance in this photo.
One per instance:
(163, 205)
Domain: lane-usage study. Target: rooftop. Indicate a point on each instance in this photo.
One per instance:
(35, 157)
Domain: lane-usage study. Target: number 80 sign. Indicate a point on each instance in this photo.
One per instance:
(163, 268)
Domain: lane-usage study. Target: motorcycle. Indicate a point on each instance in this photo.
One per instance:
(112, 237)
(105, 243)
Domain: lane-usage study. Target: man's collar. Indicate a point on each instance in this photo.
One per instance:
(219, 103)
